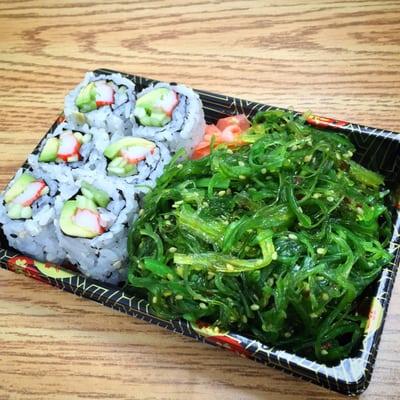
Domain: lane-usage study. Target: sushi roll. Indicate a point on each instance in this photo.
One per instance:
(65, 151)
(101, 101)
(27, 214)
(169, 113)
(137, 161)
(92, 228)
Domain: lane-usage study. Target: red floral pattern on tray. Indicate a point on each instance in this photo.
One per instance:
(221, 339)
(24, 265)
(324, 122)
(36, 269)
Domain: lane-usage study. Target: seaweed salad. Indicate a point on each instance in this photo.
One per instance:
(276, 239)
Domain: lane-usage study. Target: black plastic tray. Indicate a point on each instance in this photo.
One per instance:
(376, 149)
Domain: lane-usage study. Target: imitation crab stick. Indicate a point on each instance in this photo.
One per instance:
(227, 131)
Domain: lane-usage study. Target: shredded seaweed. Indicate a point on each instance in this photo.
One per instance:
(275, 239)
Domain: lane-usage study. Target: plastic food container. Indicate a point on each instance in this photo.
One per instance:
(376, 149)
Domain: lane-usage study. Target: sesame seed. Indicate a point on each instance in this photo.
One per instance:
(228, 191)
(170, 277)
(321, 250)
(241, 163)
(274, 255)
(292, 236)
(178, 297)
(203, 306)
(349, 154)
(325, 296)
(307, 158)
(242, 177)
(229, 151)
(141, 212)
(244, 318)
(270, 281)
(330, 198)
(316, 195)
(287, 334)
(154, 299)
(337, 156)
(313, 315)
(221, 193)
(264, 171)
(324, 352)
(179, 166)
(255, 307)
(230, 267)
(172, 249)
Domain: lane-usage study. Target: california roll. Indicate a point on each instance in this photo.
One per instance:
(92, 226)
(27, 215)
(137, 161)
(169, 113)
(101, 101)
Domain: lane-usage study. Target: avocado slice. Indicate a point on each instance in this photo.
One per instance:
(67, 225)
(26, 212)
(84, 203)
(146, 110)
(97, 195)
(121, 167)
(18, 187)
(152, 97)
(113, 149)
(16, 211)
(86, 100)
(50, 149)
(150, 117)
